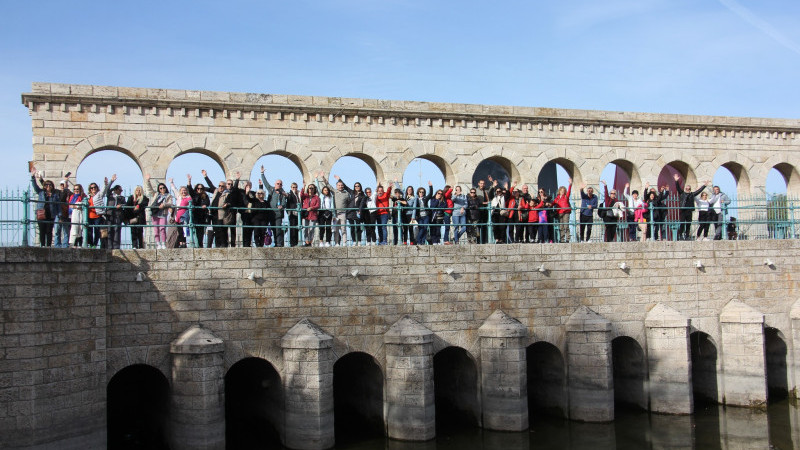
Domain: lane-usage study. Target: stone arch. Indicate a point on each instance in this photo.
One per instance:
(357, 397)
(371, 155)
(631, 168)
(776, 353)
(705, 360)
(137, 407)
(120, 142)
(547, 380)
(787, 168)
(739, 166)
(506, 157)
(572, 162)
(120, 358)
(629, 365)
(440, 157)
(685, 166)
(300, 155)
(455, 379)
(254, 411)
(204, 145)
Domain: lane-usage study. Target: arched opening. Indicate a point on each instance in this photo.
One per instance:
(193, 162)
(790, 176)
(704, 369)
(356, 168)
(278, 166)
(685, 174)
(498, 168)
(630, 372)
(423, 169)
(137, 402)
(357, 398)
(619, 172)
(733, 180)
(555, 174)
(106, 162)
(547, 395)
(777, 379)
(455, 379)
(253, 405)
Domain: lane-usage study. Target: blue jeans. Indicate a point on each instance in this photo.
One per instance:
(62, 232)
(460, 223)
(382, 220)
(422, 229)
(447, 227)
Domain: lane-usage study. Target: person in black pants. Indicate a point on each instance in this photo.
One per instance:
(686, 205)
(293, 201)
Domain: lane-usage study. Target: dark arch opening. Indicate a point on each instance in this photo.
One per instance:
(617, 173)
(629, 374)
(498, 168)
(138, 408)
(455, 380)
(253, 405)
(777, 379)
(357, 398)
(704, 369)
(547, 395)
(556, 173)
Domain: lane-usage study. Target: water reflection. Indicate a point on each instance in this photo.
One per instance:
(711, 427)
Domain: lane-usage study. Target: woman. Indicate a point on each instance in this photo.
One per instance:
(382, 212)
(311, 205)
(703, 215)
(563, 211)
(398, 202)
(499, 215)
(258, 217)
(97, 199)
(589, 204)
(76, 216)
(47, 209)
(421, 214)
(325, 217)
(200, 217)
(182, 200)
(408, 215)
(369, 218)
(160, 209)
(539, 215)
(137, 216)
(438, 205)
(473, 212)
(514, 214)
(634, 203)
(459, 213)
(356, 208)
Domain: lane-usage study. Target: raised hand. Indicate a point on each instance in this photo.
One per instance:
(172, 181)
(430, 183)
(602, 182)
(262, 168)
(570, 181)
(189, 177)
(205, 174)
(336, 177)
(676, 177)
(113, 177)
(238, 175)
(147, 176)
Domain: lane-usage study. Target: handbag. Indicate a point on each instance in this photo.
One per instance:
(268, 238)
(41, 214)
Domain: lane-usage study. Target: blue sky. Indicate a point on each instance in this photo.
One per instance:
(716, 57)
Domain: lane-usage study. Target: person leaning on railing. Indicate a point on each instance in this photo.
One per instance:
(159, 210)
(47, 208)
(137, 216)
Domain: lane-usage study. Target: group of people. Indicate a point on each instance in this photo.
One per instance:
(322, 214)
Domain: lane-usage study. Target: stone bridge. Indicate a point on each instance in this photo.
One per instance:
(154, 126)
(204, 348)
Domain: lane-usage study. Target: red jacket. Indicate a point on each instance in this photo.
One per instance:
(382, 202)
(310, 203)
(448, 197)
(562, 202)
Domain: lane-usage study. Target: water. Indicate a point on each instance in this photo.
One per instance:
(711, 427)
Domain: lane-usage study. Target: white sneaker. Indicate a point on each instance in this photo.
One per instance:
(705, 239)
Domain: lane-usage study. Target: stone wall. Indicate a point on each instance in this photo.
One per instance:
(72, 319)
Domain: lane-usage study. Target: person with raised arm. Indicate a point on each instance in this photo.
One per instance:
(589, 204)
(75, 202)
(563, 211)
(326, 210)
(159, 210)
(200, 204)
(421, 214)
(382, 211)
(686, 205)
(369, 218)
(636, 209)
(438, 205)
(293, 203)
(610, 211)
(137, 216)
(719, 202)
(277, 204)
(115, 216)
(341, 198)
(47, 208)
(310, 213)
(459, 213)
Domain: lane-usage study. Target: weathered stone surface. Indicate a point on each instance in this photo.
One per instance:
(504, 380)
(591, 384)
(669, 361)
(743, 355)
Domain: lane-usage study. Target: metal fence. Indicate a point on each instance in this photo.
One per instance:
(762, 217)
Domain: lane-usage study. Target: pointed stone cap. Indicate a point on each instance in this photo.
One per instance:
(662, 316)
(738, 312)
(197, 340)
(794, 313)
(408, 331)
(584, 319)
(501, 325)
(306, 334)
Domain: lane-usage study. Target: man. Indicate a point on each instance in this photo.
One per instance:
(341, 198)
(610, 219)
(293, 200)
(484, 197)
(227, 197)
(114, 215)
(719, 202)
(63, 223)
(686, 205)
(277, 204)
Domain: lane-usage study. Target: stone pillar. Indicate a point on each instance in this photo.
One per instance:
(308, 387)
(591, 379)
(669, 360)
(198, 390)
(743, 357)
(504, 378)
(793, 356)
(410, 401)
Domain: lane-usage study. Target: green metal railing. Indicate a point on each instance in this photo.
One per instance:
(762, 217)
